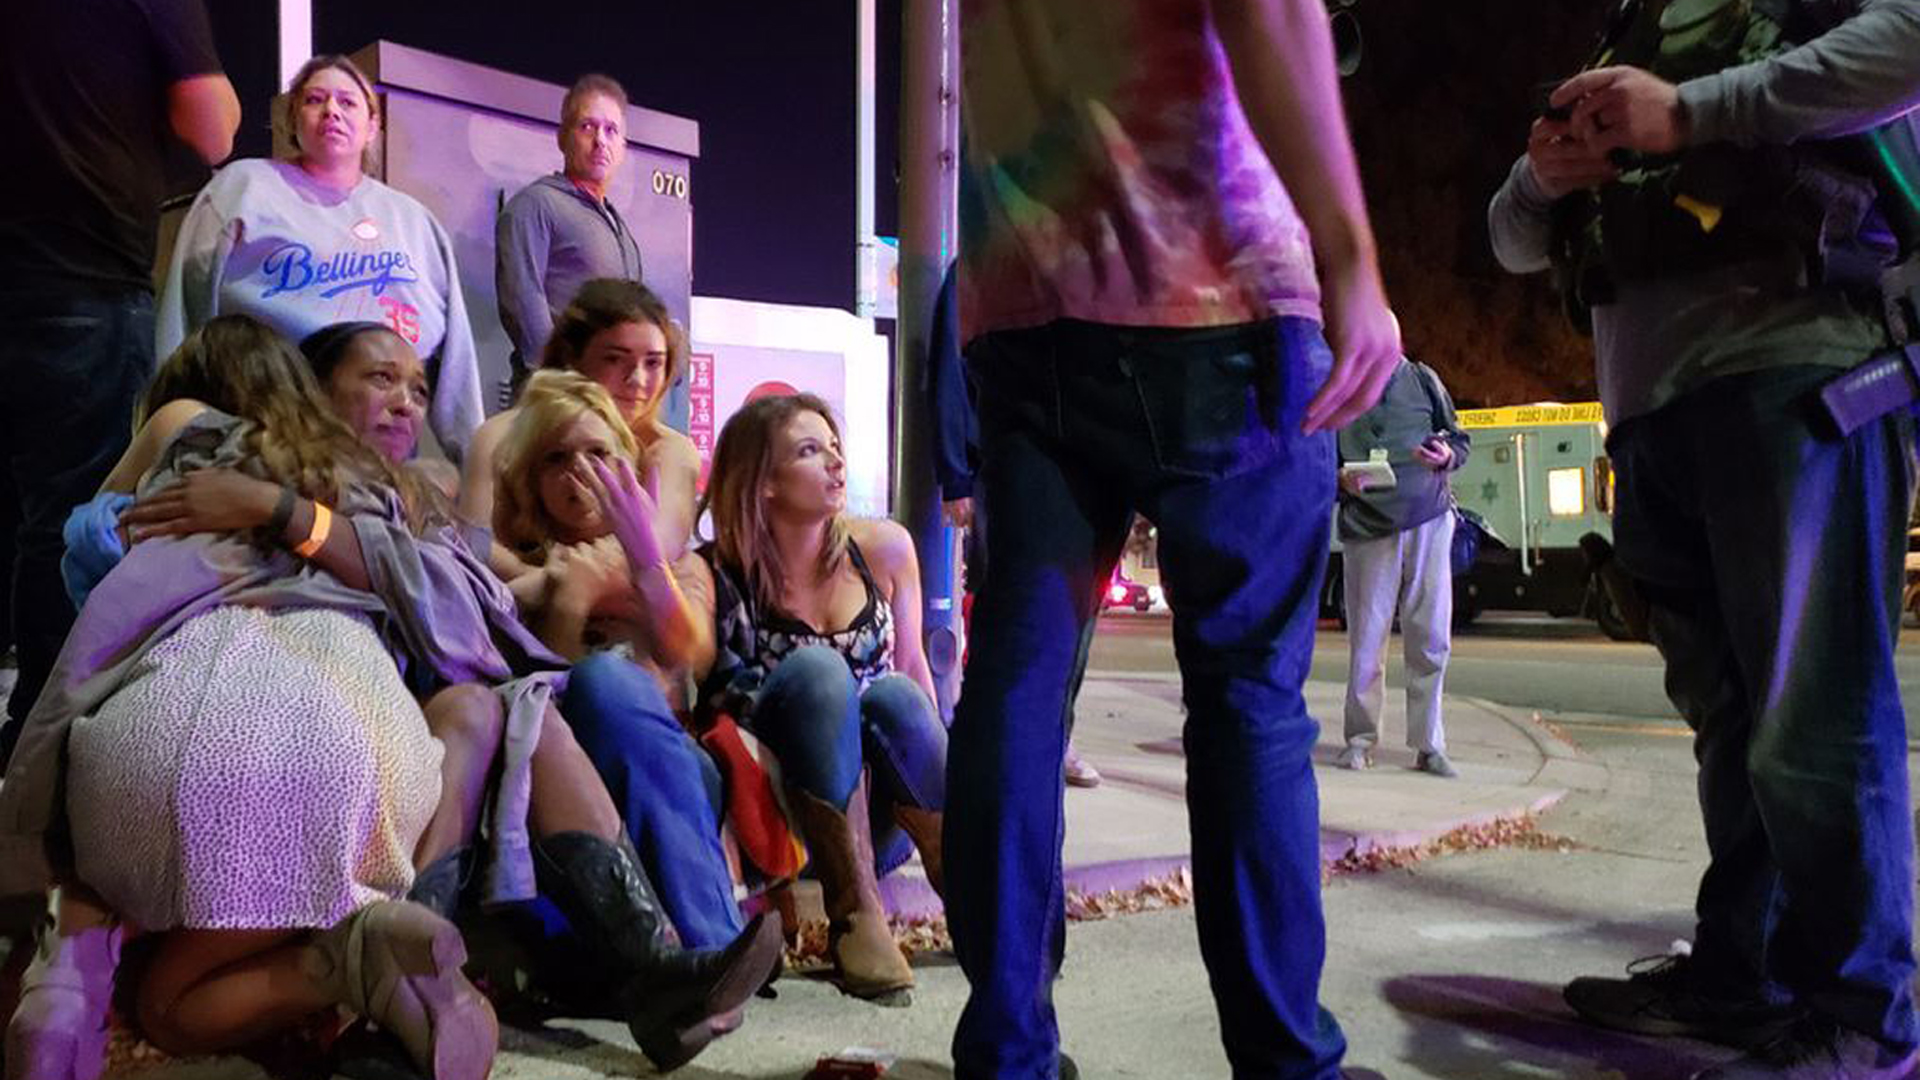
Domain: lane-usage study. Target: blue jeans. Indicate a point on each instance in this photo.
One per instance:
(667, 790)
(72, 368)
(824, 729)
(1198, 430)
(1771, 555)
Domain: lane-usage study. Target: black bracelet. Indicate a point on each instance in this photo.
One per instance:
(283, 512)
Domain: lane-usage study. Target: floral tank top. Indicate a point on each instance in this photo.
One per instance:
(749, 642)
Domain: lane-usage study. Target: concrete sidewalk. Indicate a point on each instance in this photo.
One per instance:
(1134, 1001)
(1133, 827)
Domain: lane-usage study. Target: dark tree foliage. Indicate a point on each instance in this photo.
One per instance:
(1440, 108)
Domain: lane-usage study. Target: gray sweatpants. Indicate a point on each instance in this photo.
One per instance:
(1411, 569)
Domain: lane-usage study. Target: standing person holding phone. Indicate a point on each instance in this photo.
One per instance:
(1397, 538)
(1767, 539)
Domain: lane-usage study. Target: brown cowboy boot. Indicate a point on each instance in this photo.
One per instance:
(840, 849)
(923, 828)
(398, 964)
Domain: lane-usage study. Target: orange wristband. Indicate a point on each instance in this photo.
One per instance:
(317, 535)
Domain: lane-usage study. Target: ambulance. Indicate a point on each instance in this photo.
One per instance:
(1539, 485)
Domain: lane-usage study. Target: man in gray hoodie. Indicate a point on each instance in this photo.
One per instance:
(1768, 545)
(1396, 540)
(562, 230)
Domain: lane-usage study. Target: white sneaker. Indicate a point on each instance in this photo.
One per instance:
(1436, 763)
(1078, 771)
(1354, 756)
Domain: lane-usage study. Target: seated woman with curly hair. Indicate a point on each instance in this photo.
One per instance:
(375, 382)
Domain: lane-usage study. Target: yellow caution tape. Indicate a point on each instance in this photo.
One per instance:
(1585, 412)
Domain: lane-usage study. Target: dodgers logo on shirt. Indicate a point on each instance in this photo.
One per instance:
(292, 267)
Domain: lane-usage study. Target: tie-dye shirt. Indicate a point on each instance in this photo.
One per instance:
(1109, 174)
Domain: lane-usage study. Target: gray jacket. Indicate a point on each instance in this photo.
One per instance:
(1413, 408)
(550, 239)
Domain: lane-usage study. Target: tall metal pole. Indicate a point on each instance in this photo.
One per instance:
(865, 275)
(929, 100)
(295, 31)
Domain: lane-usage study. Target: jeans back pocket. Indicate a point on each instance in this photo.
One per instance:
(1212, 400)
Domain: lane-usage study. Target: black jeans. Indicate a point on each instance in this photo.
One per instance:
(1198, 430)
(1772, 556)
(72, 368)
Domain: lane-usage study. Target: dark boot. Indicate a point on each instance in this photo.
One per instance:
(923, 827)
(675, 1001)
(840, 852)
(439, 886)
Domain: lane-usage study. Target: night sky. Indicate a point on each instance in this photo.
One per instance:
(1439, 108)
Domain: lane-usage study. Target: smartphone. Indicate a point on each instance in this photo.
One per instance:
(1543, 102)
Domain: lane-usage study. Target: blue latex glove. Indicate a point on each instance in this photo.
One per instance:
(93, 544)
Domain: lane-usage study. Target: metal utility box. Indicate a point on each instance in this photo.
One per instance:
(463, 138)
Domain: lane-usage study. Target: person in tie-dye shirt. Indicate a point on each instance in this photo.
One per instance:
(1162, 233)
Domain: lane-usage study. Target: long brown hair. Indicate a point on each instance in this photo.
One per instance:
(239, 365)
(602, 304)
(550, 402)
(742, 458)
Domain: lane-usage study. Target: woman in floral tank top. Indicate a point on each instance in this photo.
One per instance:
(816, 649)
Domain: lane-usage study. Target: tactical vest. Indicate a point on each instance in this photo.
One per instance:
(1810, 206)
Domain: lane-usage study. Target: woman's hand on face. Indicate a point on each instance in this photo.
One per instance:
(629, 508)
(203, 501)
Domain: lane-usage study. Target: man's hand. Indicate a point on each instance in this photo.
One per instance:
(203, 501)
(1435, 454)
(958, 512)
(1624, 108)
(1366, 345)
(1354, 482)
(1562, 163)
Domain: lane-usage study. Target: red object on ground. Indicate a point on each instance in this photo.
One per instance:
(833, 1068)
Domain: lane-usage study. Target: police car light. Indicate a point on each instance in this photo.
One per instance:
(1567, 492)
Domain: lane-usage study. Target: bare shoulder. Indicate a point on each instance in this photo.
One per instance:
(167, 420)
(671, 449)
(886, 543)
(488, 435)
(486, 442)
(149, 442)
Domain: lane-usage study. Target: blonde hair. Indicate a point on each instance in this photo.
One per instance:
(551, 401)
(240, 366)
(742, 458)
(290, 112)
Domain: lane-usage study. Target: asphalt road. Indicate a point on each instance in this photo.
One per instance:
(1529, 662)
